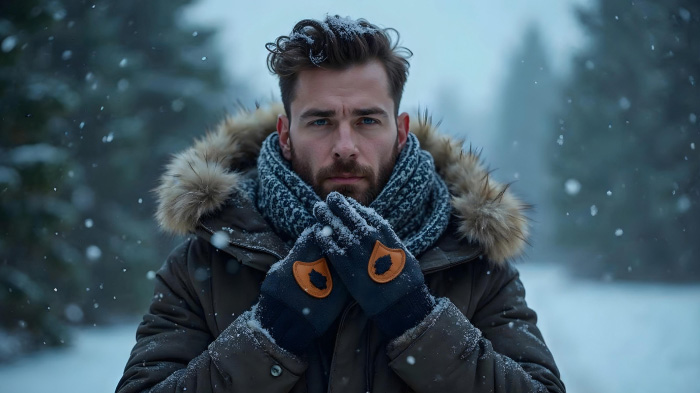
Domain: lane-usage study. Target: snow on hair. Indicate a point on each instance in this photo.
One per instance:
(337, 43)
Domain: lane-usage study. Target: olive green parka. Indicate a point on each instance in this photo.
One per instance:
(199, 334)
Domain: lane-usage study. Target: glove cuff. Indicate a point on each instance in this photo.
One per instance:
(405, 313)
(290, 330)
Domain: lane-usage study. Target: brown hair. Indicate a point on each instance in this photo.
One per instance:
(336, 43)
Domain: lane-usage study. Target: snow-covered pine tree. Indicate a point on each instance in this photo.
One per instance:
(94, 97)
(626, 157)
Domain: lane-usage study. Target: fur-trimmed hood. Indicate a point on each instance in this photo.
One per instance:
(200, 180)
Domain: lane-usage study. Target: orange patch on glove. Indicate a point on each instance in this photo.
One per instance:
(314, 277)
(385, 263)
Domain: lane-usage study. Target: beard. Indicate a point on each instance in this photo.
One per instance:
(365, 196)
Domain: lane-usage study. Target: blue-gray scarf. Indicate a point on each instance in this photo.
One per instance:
(415, 200)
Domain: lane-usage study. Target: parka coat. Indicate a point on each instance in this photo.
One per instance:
(199, 334)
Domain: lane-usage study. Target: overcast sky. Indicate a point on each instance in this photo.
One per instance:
(464, 47)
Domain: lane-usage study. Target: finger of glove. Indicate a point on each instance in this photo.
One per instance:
(340, 233)
(325, 217)
(370, 215)
(306, 248)
(376, 221)
(324, 238)
(340, 206)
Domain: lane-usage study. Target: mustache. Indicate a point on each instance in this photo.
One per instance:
(344, 167)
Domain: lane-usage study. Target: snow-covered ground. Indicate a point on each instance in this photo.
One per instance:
(93, 364)
(606, 337)
(618, 337)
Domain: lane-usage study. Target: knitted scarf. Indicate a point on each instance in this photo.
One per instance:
(415, 200)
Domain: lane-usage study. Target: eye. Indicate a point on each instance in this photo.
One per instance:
(368, 121)
(319, 122)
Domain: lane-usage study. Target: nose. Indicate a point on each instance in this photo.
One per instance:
(344, 146)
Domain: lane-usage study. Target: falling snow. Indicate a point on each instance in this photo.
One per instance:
(8, 43)
(326, 231)
(93, 253)
(220, 239)
(572, 186)
(683, 204)
(624, 103)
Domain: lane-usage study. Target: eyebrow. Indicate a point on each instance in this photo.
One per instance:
(356, 112)
(317, 113)
(370, 111)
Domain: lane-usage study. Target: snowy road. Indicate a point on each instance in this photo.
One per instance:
(606, 338)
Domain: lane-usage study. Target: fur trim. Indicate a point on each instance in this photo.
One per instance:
(489, 214)
(199, 180)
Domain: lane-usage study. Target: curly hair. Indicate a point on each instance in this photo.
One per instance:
(337, 43)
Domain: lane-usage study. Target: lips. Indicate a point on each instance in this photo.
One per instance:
(345, 179)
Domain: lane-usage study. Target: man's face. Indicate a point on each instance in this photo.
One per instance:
(342, 135)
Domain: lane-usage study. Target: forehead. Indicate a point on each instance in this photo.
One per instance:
(358, 86)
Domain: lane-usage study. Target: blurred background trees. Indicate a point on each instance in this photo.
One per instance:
(94, 97)
(625, 165)
(523, 132)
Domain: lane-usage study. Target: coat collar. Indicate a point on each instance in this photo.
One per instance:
(197, 186)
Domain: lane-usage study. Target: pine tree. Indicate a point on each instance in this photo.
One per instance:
(94, 96)
(627, 156)
(35, 208)
(524, 118)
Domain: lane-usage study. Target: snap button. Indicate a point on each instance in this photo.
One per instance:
(276, 370)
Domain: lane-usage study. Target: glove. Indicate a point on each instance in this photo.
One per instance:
(376, 268)
(300, 296)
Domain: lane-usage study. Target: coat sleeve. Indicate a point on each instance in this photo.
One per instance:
(175, 350)
(499, 350)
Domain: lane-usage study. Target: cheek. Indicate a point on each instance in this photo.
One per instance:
(312, 152)
(382, 149)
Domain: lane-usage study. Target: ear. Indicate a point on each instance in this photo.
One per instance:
(283, 133)
(402, 125)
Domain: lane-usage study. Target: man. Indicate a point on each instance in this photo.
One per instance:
(337, 254)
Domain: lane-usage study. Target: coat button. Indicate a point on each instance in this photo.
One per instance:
(276, 370)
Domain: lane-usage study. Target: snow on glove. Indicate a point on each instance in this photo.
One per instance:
(378, 271)
(300, 296)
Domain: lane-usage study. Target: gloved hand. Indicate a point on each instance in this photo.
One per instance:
(300, 296)
(378, 271)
